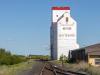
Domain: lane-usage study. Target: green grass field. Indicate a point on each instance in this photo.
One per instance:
(13, 69)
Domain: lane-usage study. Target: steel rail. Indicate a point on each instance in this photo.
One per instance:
(57, 70)
(41, 73)
(67, 72)
(54, 71)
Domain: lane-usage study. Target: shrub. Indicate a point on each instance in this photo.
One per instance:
(8, 59)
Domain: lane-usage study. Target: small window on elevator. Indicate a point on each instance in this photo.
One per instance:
(66, 19)
(56, 15)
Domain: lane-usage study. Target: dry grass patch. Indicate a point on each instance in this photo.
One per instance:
(13, 69)
(81, 67)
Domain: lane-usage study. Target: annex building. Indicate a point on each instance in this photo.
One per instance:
(90, 54)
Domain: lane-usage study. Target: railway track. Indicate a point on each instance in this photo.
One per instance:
(50, 69)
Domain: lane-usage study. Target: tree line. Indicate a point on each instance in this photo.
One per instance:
(44, 57)
(6, 58)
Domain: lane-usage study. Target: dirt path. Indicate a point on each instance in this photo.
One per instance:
(34, 71)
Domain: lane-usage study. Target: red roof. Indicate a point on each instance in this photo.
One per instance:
(60, 8)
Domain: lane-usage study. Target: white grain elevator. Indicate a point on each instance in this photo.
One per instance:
(63, 32)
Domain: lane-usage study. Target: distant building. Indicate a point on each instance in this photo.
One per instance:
(63, 32)
(90, 54)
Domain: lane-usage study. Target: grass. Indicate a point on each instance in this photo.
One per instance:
(81, 67)
(13, 69)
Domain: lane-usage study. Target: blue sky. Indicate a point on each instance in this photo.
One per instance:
(25, 24)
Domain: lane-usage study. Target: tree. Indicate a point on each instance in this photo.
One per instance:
(63, 59)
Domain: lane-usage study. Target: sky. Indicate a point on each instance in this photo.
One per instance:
(25, 24)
